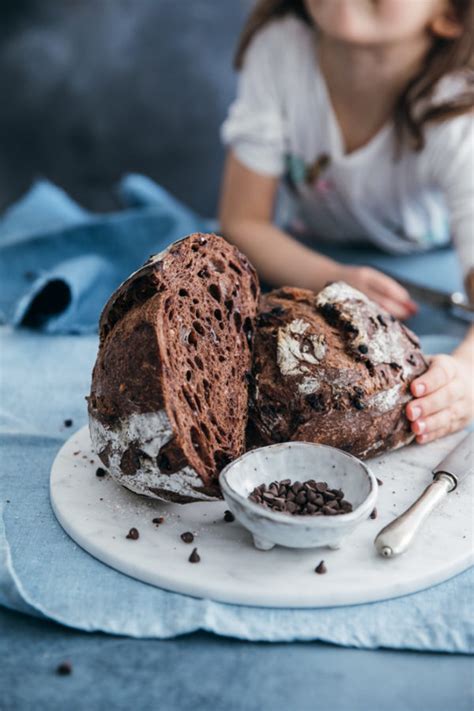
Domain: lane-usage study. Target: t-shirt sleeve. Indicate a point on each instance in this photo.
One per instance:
(254, 127)
(452, 164)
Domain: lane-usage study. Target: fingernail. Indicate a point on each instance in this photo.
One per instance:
(420, 426)
(419, 389)
(415, 412)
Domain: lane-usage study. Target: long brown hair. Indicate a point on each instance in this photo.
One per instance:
(444, 57)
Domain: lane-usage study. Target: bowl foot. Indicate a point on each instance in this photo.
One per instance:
(263, 544)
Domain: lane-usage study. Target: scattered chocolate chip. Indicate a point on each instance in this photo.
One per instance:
(358, 404)
(194, 557)
(229, 516)
(321, 568)
(381, 320)
(158, 521)
(133, 534)
(64, 669)
(363, 348)
(379, 481)
(100, 471)
(187, 537)
(373, 514)
(68, 423)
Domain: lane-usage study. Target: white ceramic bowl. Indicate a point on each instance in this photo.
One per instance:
(298, 461)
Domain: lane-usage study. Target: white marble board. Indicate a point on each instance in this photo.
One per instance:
(98, 513)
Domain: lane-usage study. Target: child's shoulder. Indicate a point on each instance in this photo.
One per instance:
(283, 38)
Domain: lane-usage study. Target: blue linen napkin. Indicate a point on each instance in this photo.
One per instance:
(43, 572)
(59, 262)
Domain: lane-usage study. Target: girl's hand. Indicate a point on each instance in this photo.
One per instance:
(444, 398)
(381, 288)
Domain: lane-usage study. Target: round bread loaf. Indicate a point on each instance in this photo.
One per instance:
(169, 398)
(332, 368)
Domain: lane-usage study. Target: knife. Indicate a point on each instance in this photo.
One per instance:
(399, 534)
(455, 300)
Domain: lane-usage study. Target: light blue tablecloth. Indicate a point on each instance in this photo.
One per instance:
(42, 571)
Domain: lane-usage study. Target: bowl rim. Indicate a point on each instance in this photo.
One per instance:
(279, 517)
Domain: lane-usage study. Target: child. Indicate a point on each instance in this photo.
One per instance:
(364, 107)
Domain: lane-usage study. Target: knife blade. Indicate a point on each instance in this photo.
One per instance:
(397, 536)
(436, 297)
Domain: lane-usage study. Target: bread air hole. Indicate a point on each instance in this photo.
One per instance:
(215, 292)
(189, 375)
(192, 340)
(235, 268)
(229, 304)
(218, 314)
(205, 431)
(199, 362)
(183, 292)
(189, 399)
(238, 320)
(198, 327)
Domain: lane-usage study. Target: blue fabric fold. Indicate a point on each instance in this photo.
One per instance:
(59, 262)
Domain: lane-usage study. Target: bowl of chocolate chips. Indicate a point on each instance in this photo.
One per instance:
(299, 494)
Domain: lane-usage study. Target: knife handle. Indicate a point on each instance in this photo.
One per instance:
(397, 536)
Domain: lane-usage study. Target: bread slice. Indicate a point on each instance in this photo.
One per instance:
(332, 368)
(169, 397)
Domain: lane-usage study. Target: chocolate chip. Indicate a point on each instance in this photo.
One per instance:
(187, 537)
(363, 348)
(194, 557)
(373, 514)
(321, 568)
(229, 516)
(379, 482)
(64, 669)
(381, 320)
(133, 534)
(100, 471)
(312, 498)
(358, 404)
(158, 521)
(68, 423)
(316, 402)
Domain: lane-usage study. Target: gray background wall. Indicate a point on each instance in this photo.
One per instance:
(91, 89)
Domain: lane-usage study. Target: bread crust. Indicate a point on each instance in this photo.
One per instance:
(332, 368)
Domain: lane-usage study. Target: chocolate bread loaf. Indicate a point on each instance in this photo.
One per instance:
(332, 368)
(169, 398)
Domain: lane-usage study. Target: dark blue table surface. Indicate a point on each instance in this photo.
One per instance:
(200, 672)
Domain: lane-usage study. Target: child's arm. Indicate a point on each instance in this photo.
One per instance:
(246, 212)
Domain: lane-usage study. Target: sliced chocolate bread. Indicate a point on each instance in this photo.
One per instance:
(169, 398)
(332, 368)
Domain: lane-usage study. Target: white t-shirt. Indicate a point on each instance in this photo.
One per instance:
(282, 123)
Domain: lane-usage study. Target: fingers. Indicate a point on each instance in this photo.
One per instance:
(385, 284)
(442, 420)
(396, 308)
(390, 295)
(439, 400)
(440, 372)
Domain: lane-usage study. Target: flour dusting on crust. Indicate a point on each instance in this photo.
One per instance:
(152, 430)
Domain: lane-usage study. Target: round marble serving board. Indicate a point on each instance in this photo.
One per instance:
(98, 513)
